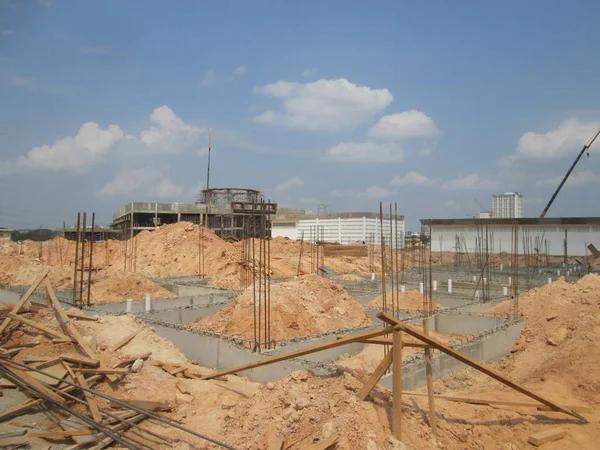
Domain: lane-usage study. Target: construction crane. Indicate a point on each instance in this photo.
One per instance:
(564, 180)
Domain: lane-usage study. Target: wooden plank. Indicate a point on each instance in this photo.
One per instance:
(91, 401)
(132, 359)
(595, 253)
(67, 323)
(40, 327)
(323, 444)
(125, 340)
(27, 345)
(103, 371)
(482, 401)
(24, 299)
(542, 437)
(385, 341)
(36, 359)
(381, 369)
(79, 359)
(470, 362)
(20, 373)
(82, 317)
(148, 405)
(429, 375)
(316, 348)
(32, 403)
(57, 369)
(397, 384)
(59, 435)
(12, 434)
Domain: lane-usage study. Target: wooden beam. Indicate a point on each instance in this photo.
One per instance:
(124, 341)
(470, 362)
(82, 317)
(429, 375)
(91, 401)
(316, 348)
(384, 341)
(381, 369)
(59, 435)
(79, 359)
(65, 322)
(32, 403)
(542, 437)
(101, 371)
(40, 327)
(482, 401)
(397, 384)
(24, 299)
(131, 360)
(22, 374)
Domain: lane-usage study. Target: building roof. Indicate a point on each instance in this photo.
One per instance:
(520, 221)
(341, 215)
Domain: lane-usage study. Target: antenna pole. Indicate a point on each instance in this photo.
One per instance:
(209, 148)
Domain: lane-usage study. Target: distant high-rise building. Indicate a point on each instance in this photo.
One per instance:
(507, 206)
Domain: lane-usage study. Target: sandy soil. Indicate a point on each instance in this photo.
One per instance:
(306, 305)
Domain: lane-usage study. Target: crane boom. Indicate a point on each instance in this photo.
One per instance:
(564, 180)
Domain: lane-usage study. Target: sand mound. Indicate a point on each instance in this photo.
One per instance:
(306, 305)
(121, 286)
(409, 301)
(561, 338)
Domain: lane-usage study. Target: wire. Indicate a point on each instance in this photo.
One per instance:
(125, 404)
(15, 379)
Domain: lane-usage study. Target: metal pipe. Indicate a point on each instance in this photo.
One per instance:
(149, 414)
(76, 256)
(89, 286)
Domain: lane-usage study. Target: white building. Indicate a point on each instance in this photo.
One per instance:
(343, 228)
(507, 206)
(576, 232)
(5, 234)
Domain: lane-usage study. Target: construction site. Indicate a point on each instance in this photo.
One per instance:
(231, 324)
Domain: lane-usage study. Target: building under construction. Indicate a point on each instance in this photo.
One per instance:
(230, 212)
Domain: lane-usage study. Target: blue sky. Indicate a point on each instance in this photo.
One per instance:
(428, 104)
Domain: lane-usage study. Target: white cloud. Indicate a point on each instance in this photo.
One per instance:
(365, 152)
(209, 78)
(375, 192)
(77, 152)
(329, 105)
(165, 188)
(566, 140)
(168, 133)
(405, 125)
(576, 179)
(46, 3)
(414, 178)
(309, 72)
(239, 70)
(290, 183)
(6, 32)
(469, 182)
(144, 181)
(342, 193)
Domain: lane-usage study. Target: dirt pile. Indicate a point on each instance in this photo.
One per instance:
(122, 286)
(560, 343)
(409, 301)
(306, 305)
